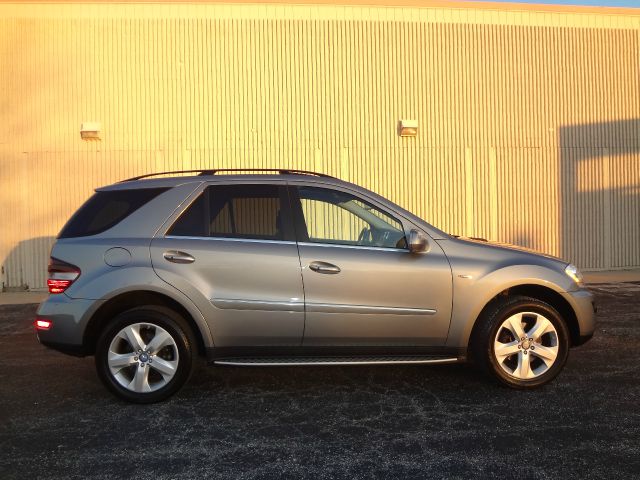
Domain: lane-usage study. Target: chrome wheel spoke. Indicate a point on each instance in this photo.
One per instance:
(514, 325)
(167, 368)
(132, 335)
(159, 341)
(118, 361)
(504, 350)
(140, 381)
(540, 328)
(524, 366)
(547, 354)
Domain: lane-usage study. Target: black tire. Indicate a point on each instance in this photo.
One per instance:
(481, 347)
(159, 316)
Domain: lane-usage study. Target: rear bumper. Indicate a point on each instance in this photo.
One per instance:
(585, 309)
(70, 317)
(74, 350)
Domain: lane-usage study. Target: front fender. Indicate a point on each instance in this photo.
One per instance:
(472, 291)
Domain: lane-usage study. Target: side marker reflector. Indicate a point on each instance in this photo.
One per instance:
(43, 324)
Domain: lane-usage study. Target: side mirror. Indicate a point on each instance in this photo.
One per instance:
(417, 241)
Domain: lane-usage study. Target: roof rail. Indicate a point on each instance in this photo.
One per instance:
(281, 171)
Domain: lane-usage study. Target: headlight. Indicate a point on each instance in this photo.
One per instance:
(575, 274)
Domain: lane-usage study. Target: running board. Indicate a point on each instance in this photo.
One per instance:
(356, 360)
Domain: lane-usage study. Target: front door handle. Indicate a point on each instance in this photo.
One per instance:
(177, 256)
(324, 267)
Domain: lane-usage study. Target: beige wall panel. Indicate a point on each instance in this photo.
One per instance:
(529, 122)
(624, 191)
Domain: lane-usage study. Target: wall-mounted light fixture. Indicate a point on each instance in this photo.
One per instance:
(90, 130)
(408, 128)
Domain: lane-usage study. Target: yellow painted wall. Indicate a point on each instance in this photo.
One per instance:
(529, 120)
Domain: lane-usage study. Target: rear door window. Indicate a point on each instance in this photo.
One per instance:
(106, 209)
(251, 211)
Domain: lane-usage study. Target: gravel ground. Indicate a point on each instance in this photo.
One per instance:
(57, 421)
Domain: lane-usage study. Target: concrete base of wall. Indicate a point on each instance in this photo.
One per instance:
(19, 298)
(613, 276)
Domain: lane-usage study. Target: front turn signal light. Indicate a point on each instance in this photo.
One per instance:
(575, 275)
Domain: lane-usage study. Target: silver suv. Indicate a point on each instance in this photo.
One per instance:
(288, 267)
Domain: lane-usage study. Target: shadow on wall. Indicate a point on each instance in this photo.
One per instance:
(20, 272)
(600, 194)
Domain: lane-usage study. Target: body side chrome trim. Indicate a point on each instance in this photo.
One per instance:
(292, 306)
(268, 305)
(367, 309)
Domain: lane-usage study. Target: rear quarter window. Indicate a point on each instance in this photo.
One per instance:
(106, 209)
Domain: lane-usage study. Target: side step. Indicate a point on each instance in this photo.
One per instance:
(355, 360)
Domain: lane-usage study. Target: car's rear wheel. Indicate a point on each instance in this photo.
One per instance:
(145, 354)
(521, 341)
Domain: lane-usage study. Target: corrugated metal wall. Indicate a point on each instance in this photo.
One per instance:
(529, 122)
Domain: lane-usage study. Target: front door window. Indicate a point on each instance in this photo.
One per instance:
(335, 217)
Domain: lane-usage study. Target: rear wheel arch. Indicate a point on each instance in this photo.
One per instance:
(538, 292)
(145, 354)
(132, 299)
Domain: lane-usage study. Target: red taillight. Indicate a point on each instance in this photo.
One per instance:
(61, 275)
(43, 324)
(58, 286)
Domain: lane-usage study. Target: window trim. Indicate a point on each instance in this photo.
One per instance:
(360, 247)
(285, 212)
(230, 239)
(62, 235)
(302, 234)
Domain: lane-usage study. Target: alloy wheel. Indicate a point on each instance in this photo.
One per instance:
(143, 357)
(526, 345)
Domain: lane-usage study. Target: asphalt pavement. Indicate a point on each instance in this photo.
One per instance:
(57, 421)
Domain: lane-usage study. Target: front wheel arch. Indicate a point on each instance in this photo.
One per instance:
(498, 319)
(538, 292)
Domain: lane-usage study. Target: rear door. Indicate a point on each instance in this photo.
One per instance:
(362, 285)
(232, 251)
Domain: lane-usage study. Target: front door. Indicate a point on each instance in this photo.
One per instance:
(362, 285)
(233, 252)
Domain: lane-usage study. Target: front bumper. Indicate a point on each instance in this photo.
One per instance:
(584, 306)
(70, 317)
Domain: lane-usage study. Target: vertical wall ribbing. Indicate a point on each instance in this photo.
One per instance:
(529, 133)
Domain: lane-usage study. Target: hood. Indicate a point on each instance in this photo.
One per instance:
(508, 246)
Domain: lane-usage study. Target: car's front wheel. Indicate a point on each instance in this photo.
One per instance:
(145, 354)
(522, 342)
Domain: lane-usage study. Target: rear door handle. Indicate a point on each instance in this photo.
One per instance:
(324, 267)
(177, 256)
